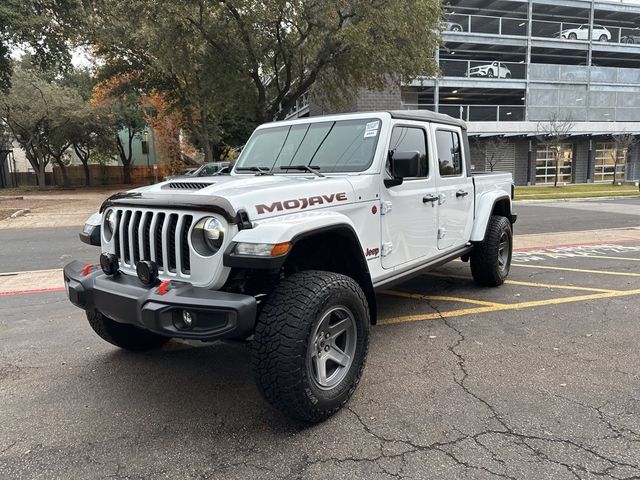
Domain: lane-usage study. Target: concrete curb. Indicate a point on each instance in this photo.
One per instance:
(20, 213)
(578, 199)
(7, 199)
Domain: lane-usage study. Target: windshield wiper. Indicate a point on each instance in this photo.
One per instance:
(303, 168)
(258, 170)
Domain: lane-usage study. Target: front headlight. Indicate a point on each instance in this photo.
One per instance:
(207, 236)
(109, 224)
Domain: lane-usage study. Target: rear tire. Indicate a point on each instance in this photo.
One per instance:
(603, 38)
(573, 36)
(491, 258)
(123, 335)
(297, 331)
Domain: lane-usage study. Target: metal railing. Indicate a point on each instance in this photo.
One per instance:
(483, 69)
(501, 26)
(475, 113)
(486, 24)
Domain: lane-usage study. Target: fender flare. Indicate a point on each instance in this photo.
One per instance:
(486, 206)
(289, 228)
(296, 228)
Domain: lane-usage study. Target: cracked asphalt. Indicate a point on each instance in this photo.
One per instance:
(545, 392)
(539, 391)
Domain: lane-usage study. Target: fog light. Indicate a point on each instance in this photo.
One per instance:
(147, 272)
(187, 319)
(109, 263)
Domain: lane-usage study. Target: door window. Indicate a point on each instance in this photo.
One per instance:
(449, 153)
(410, 139)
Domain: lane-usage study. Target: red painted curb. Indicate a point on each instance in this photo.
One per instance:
(25, 292)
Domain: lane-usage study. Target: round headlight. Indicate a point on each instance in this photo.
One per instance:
(109, 224)
(207, 236)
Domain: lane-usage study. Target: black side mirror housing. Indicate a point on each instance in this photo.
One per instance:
(403, 165)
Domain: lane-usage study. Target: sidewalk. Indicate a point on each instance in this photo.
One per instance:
(51, 209)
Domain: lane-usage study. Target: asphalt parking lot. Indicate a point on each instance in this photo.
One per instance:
(536, 379)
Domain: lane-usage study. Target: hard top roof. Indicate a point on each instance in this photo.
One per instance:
(427, 116)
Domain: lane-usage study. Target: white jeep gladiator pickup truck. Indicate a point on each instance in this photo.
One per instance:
(317, 215)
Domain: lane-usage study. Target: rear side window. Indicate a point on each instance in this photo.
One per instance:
(449, 153)
(410, 139)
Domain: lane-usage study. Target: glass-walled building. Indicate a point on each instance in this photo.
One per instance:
(507, 66)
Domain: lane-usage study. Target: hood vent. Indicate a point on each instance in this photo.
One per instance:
(187, 185)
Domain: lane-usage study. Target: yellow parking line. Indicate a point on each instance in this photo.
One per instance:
(513, 306)
(417, 296)
(560, 287)
(528, 284)
(601, 272)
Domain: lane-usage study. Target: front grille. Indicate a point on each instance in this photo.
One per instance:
(148, 235)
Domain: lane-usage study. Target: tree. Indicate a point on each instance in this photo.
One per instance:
(492, 147)
(125, 114)
(235, 63)
(623, 143)
(26, 109)
(44, 27)
(554, 133)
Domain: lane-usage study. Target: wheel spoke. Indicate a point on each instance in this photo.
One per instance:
(338, 328)
(338, 356)
(321, 369)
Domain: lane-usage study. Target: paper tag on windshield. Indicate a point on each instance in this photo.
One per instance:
(371, 130)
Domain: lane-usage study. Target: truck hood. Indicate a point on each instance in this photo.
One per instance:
(261, 196)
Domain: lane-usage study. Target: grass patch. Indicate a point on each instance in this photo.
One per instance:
(586, 190)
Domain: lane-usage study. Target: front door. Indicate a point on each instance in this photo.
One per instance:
(410, 210)
(455, 190)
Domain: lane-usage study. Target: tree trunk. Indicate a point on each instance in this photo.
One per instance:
(555, 180)
(41, 176)
(126, 172)
(63, 171)
(87, 174)
(615, 168)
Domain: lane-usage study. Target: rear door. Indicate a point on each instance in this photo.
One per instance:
(455, 189)
(410, 210)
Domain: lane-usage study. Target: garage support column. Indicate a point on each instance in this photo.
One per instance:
(529, 162)
(436, 89)
(590, 162)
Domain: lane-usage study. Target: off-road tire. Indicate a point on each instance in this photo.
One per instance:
(283, 340)
(124, 336)
(485, 258)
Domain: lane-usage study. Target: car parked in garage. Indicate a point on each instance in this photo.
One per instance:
(490, 70)
(633, 37)
(453, 27)
(599, 33)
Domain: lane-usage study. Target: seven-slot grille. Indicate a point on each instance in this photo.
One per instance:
(157, 236)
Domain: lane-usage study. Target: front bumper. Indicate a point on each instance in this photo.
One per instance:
(124, 299)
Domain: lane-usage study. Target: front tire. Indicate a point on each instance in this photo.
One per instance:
(311, 342)
(573, 36)
(124, 336)
(491, 258)
(604, 38)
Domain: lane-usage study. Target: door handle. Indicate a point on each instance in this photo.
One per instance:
(429, 198)
(461, 193)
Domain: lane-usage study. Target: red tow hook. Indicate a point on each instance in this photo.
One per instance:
(87, 268)
(162, 289)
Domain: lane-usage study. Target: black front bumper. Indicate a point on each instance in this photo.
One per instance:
(125, 299)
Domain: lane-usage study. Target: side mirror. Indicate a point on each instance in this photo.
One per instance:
(403, 165)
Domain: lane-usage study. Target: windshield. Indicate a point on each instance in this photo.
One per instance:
(339, 146)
